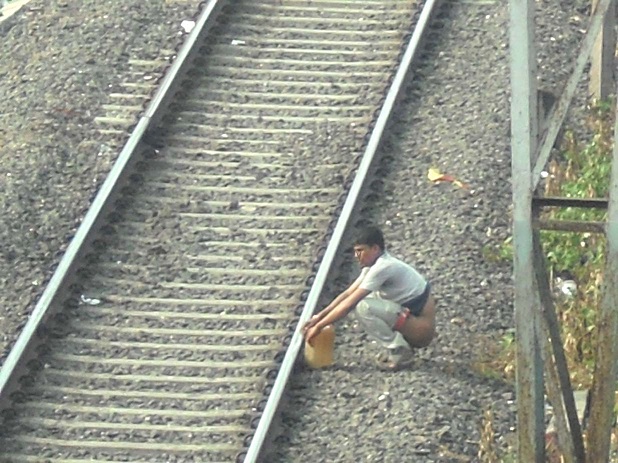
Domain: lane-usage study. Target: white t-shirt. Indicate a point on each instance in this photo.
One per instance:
(392, 279)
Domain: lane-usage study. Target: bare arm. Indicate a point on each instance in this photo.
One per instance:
(337, 312)
(324, 312)
(342, 308)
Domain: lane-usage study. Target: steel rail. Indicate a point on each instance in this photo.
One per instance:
(94, 218)
(355, 194)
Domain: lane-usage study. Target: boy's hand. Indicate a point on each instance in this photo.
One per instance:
(312, 333)
(312, 321)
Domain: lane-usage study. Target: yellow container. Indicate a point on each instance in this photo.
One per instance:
(321, 353)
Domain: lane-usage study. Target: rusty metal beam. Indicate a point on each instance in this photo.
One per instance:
(524, 131)
(570, 226)
(559, 112)
(574, 442)
(560, 426)
(559, 201)
(606, 366)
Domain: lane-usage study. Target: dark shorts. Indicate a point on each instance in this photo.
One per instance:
(416, 304)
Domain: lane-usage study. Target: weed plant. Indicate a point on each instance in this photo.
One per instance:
(581, 173)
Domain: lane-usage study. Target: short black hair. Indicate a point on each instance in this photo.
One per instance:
(370, 235)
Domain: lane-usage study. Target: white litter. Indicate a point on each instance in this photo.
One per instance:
(187, 26)
(90, 300)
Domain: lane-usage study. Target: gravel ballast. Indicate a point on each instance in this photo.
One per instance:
(60, 60)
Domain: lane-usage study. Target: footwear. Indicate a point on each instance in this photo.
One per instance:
(395, 359)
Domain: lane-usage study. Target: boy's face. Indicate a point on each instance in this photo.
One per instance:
(366, 254)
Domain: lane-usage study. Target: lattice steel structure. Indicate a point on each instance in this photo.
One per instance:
(541, 363)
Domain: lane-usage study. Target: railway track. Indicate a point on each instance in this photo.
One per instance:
(168, 330)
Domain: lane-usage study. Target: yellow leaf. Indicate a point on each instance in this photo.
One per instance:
(434, 174)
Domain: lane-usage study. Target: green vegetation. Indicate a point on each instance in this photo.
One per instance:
(584, 173)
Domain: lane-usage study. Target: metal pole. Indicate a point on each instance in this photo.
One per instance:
(524, 128)
(602, 57)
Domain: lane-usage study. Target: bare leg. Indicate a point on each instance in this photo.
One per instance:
(420, 331)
